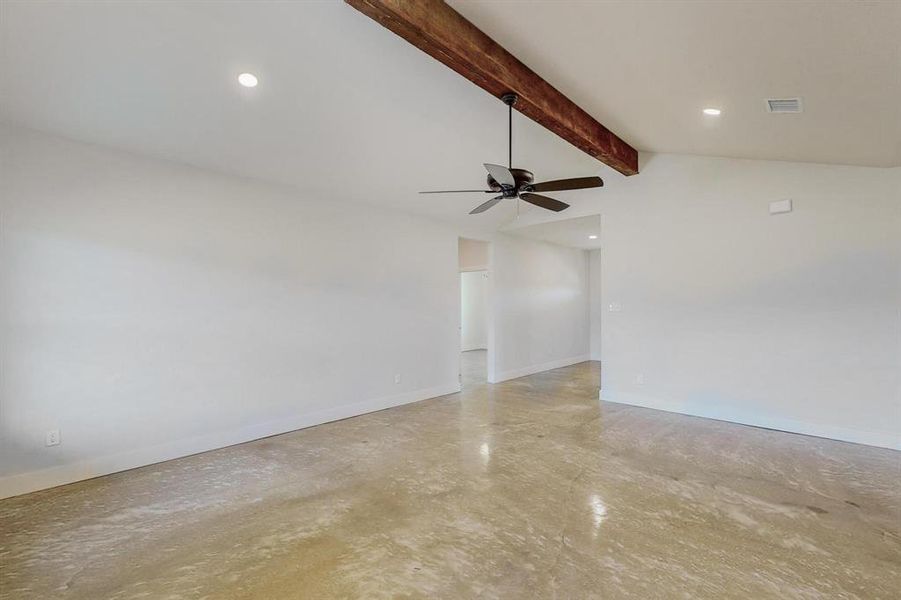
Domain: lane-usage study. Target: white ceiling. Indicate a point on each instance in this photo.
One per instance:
(566, 232)
(646, 69)
(346, 110)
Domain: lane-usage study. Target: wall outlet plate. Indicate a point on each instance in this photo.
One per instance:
(397, 378)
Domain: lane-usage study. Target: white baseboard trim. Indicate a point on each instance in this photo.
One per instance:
(531, 370)
(15, 485)
(879, 439)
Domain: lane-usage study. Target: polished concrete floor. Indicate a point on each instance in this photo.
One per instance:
(526, 489)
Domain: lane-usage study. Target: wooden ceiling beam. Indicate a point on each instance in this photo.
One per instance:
(443, 33)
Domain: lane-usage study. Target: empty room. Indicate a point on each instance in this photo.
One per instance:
(470, 299)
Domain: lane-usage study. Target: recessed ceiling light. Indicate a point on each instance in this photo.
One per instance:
(248, 80)
(712, 111)
(592, 237)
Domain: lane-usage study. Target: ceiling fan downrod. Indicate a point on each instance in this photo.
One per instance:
(509, 99)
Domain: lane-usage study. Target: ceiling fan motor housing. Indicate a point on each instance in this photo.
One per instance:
(520, 176)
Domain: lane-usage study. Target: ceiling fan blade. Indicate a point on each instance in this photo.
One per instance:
(485, 206)
(457, 192)
(502, 175)
(544, 202)
(559, 185)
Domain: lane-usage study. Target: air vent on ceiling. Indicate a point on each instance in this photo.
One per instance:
(783, 105)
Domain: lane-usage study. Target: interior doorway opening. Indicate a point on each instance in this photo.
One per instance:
(585, 233)
(475, 311)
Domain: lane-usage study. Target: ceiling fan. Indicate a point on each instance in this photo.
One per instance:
(518, 183)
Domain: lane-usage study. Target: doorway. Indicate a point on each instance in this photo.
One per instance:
(474, 326)
(475, 290)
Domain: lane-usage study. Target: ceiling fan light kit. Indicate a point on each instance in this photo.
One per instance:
(512, 183)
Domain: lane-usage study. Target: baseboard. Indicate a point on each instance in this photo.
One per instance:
(878, 439)
(33, 481)
(531, 370)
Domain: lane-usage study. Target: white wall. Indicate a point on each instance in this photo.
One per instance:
(596, 303)
(790, 321)
(474, 255)
(540, 305)
(474, 310)
(151, 310)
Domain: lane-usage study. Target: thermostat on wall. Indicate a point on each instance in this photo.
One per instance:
(780, 206)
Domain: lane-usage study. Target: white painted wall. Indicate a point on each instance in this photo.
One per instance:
(596, 303)
(790, 321)
(151, 310)
(474, 255)
(474, 310)
(540, 305)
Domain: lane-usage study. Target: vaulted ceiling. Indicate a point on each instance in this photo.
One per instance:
(345, 110)
(646, 69)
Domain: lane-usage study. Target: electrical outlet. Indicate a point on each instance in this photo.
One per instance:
(639, 379)
(52, 438)
(615, 307)
(397, 379)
